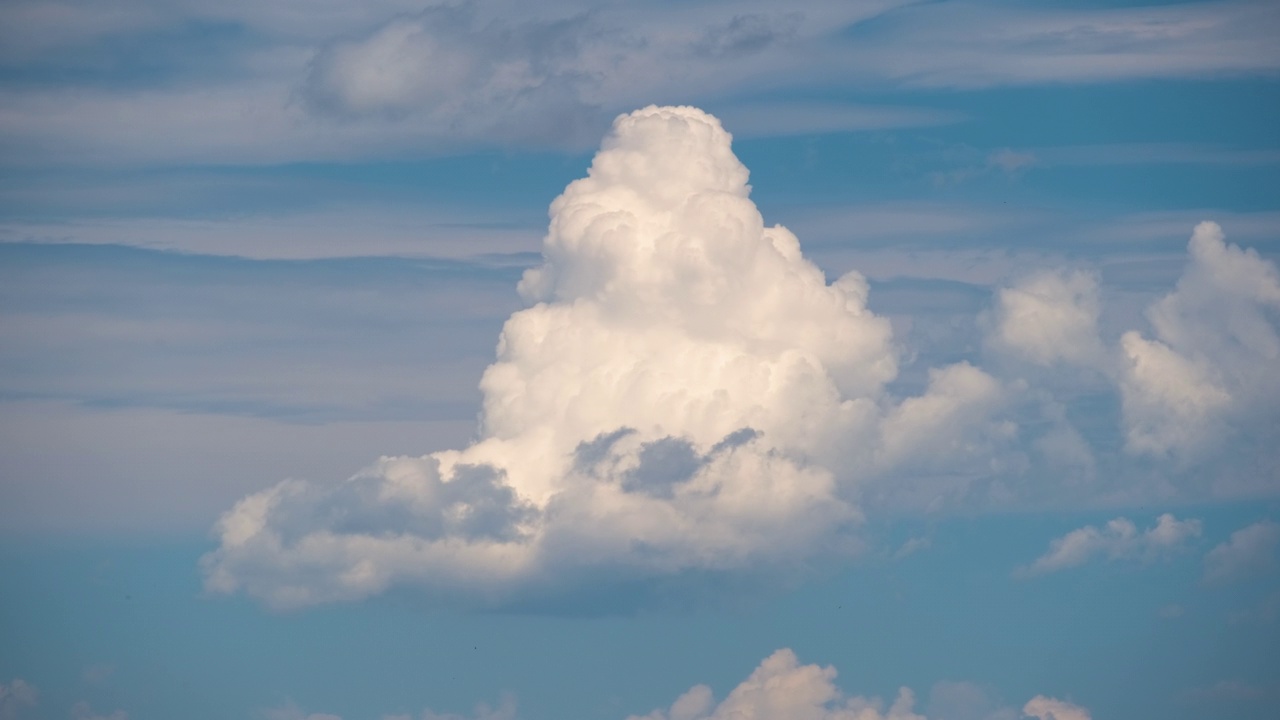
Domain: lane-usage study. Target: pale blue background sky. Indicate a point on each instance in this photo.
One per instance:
(217, 271)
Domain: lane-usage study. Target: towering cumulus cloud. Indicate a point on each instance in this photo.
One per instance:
(673, 400)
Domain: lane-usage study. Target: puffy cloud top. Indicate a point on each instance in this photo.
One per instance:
(783, 688)
(1213, 358)
(1051, 316)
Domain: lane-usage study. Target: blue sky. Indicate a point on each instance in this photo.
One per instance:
(331, 388)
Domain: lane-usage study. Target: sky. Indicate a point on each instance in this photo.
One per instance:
(639, 361)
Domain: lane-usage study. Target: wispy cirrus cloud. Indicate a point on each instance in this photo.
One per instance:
(975, 45)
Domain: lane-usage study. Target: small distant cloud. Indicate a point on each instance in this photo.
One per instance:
(1010, 161)
(1047, 708)
(504, 710)
(950, 700)
(83, 711)
(1003, 161)
(98, 674)
(912, 546)
(1264, 613)
(16, 696)
(1119, 539)
(291, 711)
(1231, 691)
(1250, 551)
(1171, 612)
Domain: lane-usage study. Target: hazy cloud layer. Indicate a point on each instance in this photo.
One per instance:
(781, 688)
(686, 393)
(282, 80)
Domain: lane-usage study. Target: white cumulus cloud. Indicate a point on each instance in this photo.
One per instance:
(685, 392)
(1214, 353)
(1119, 539)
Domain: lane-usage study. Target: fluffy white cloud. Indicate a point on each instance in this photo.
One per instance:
(1249, 551)
(1204, 375)
(685, 392)
(1051, 317)
(1047, 708)
(15, 696)
(1119, 539)
(1214, 352)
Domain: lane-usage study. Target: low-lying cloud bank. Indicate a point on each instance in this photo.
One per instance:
(687, 394)
(780, 688)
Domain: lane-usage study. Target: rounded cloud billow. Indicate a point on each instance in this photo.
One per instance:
(685, 393)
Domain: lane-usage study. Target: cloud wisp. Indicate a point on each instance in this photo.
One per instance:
(1249, 551)
(686, 394)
